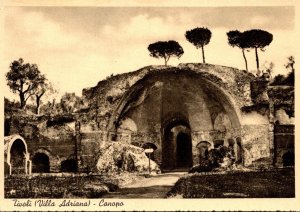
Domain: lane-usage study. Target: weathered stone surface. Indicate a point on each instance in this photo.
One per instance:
(123, 157)
(255, 142)
(259, 90)
(156, 104)
(113, 90)
(51, 136)
(284, 142)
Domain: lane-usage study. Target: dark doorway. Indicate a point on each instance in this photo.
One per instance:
(69, 165)
(40, 163)
(176, 145)
(183, 150)
(17, 157)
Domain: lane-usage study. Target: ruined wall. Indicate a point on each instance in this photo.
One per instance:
(256, 145)
(214, 103)
(104, 99)
(89, 148)
(48, 136)
(140, 103)
(284, 145)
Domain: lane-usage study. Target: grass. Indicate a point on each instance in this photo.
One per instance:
(268, 184)
(88, 186)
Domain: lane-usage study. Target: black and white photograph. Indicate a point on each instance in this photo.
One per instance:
(153, 106)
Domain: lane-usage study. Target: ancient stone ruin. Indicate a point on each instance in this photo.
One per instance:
(182, 112)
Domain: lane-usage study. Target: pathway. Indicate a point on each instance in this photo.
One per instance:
(153, 187)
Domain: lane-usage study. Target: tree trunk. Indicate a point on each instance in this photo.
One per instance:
(38, 102)
(22, 100)
(165, 58)
(257, 61)
(245, 59)
(37, 109)
(203, 57)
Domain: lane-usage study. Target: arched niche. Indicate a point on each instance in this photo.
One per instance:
(68, 165)
(40, 163)
(128, 124)
(203, 148)
(17, 158)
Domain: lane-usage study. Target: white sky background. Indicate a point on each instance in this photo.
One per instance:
(78, 46)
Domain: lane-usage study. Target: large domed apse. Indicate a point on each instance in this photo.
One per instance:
(176, 111)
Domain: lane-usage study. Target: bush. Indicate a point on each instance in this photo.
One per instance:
(218, 157)
(270, 184)
(57, 187)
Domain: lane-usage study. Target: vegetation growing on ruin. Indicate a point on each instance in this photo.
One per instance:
(289, 79)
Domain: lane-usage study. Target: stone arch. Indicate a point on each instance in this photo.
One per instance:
(53, 161)
(176, 134)
(68, 165)
(40, 163)
(16, 155)
(132, 93)
(176, 102)
(138, 92)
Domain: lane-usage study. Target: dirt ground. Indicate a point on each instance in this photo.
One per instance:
(153, 187)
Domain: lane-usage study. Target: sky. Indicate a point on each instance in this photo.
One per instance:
(76, 47)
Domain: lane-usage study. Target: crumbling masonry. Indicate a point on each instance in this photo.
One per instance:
(182, 111)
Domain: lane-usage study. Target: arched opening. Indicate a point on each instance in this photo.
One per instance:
(183, 150)
(171, 99)
(69, 165)
(239, 151)
(177, 145)
(288, 159)
(203, 147)
(40, 163)
(17, 157)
